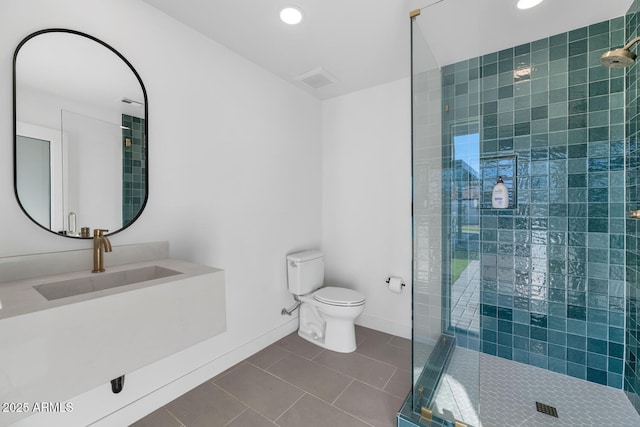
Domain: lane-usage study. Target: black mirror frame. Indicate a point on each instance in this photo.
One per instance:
(15, 126)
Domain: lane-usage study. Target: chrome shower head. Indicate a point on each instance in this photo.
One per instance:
(621, 57)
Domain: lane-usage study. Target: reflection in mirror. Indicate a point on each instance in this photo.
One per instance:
(33, 157)
(80, 152)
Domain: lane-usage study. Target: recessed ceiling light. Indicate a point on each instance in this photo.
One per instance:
(291, 15)
(528, 4)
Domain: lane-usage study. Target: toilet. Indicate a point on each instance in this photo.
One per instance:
(327, 313)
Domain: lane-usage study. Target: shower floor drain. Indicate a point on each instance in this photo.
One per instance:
(546, 409)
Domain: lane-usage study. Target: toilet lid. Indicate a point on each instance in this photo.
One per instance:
(338, 296)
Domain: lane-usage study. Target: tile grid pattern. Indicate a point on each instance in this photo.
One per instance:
(296, 383)
(632, 372)
(508, 392)
(552, 269)
(133, 168)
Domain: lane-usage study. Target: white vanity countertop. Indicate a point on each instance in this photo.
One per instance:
(94, 327)
(20, 297)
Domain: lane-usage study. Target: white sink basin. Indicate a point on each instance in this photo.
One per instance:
(101, 281)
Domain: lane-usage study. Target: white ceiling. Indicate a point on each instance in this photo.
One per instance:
(364, 43)
(68, 66)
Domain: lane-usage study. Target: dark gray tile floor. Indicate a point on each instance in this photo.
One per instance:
(293, 383)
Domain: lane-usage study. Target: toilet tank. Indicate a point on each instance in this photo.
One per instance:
(305, 271)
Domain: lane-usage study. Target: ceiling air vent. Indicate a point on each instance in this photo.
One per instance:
(316, 78)
(132, 102)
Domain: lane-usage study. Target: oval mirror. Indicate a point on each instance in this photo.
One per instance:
(80, 122)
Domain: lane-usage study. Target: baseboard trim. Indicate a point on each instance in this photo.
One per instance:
(384, 325)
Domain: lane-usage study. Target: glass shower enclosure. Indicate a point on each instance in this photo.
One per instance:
(446, 204)
(547, 285)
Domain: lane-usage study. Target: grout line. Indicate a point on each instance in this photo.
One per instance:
(347, 412)
(175, 418)
(389, 340)
(389, 380)
(324, 401)
(270, 365)
(396, 368)
(290, 406)
(331, 368)
(318, 355)
(332, 404)
(298, 354)
(282, 379)
(342, 392)
(397, 346)
(232, 419)
(343, 374)
(381, 361)
(221, 375)
(231, 395)
(321, 365)
(306, 391)
(379, 389)
(354, 416)
(247, 406)
(455, 401)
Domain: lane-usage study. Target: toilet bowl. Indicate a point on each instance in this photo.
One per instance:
(327, 313)
(327, 317)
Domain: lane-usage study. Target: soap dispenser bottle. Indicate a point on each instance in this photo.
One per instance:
(500, 195)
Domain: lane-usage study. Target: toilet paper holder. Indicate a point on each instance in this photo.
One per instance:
(389, 280)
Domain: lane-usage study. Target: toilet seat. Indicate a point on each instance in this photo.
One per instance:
(340, 297)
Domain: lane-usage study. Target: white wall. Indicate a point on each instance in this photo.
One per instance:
(239, 177)
(235, 181)
(366, 199)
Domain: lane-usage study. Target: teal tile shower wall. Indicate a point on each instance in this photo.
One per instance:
(552, 273)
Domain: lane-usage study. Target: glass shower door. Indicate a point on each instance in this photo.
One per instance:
(446, 233)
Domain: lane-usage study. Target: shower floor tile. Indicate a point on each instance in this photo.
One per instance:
(293, 383)
(465, 299)
(488, 391)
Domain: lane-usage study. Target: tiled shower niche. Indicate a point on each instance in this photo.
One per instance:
(491, 169)
(552, 272)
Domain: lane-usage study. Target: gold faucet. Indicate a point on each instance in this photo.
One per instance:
(101, 244)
